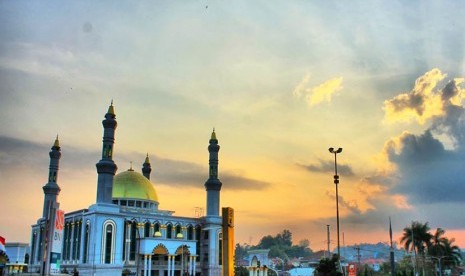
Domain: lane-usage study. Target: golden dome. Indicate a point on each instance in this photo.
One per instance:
(133, 185)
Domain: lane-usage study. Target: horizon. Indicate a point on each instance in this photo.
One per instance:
(279, 82)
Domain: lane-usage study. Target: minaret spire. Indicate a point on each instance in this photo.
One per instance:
(51, 189)
(146, 167)
(106, 167)
(213, 184)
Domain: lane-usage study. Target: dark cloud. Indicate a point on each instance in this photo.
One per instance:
(328, 167)
(351, 206)
(412, 101)
(449, 91)
(428, 172)
(181, 173)
(16, 153)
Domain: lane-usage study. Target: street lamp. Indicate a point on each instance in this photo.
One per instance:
(336, 182)
(439, 262)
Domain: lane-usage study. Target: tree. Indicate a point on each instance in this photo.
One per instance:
(328, 267)
(240, 252)
(284, 238)
(241, 271)
(416, 237)
(438, 243)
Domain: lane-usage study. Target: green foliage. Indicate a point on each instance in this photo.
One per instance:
(241, 271)
(281, 246)
(431, 248)
(241, 251)
(328, 267)
(416, 237)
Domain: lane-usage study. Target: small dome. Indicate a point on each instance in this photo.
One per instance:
(133, 185)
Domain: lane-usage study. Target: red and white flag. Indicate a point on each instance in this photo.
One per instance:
(2, 243)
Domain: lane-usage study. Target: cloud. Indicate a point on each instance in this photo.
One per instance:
(419, 177)
(324, 91)
(27, 154)
(424, 101)
(182, 173)
(427, 171)
(351, 205)
(328, 167)
(301, 89)
(318, 94)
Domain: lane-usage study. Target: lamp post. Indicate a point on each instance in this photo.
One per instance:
(439, 263)
(336, 182)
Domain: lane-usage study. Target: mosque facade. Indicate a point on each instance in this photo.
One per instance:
(125, 232)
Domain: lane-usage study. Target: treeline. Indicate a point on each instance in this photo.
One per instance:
(280, 246)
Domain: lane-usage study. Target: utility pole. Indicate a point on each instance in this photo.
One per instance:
(329, 252)
(358, 255)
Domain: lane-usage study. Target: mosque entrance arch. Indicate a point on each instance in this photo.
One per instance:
(167, 257)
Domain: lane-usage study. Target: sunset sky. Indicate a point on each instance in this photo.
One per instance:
(280, 81)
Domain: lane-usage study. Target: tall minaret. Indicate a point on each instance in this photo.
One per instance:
(51, 189)
(146, 167)
(106, 168)
(213, 184)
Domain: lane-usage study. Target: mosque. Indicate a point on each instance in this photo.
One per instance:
(125, 232)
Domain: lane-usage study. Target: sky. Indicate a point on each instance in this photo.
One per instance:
(280, 81)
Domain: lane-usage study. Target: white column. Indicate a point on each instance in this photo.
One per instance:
(173, 264)
(190, 265)
(145, 265)
(149, 273)
(169, 265)
(195, 264)
(251, 271)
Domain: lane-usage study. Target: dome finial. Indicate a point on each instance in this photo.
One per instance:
(56, 143)
(111, 109)
(130, 168)
(147, 160)
(213, 134)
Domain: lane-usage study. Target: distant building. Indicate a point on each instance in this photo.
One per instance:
(301, 271)
(125, 232)
(18, 255)
(258, 262)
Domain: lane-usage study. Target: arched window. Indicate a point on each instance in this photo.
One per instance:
(79, 240)
(86, 241)
(169, 231)
(156, 230)
(178, 230)
(67, 241)
(220, 248)
(108, 242)
(133, 236)
(147, 229)
(198, 232)
(190, 232)
(33, 249)
(39, 254)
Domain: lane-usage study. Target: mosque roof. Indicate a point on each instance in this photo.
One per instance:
(133, 185)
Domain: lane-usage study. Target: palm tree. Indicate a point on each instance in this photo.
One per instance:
(442, 247)
(416, 238)
(438, 242)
